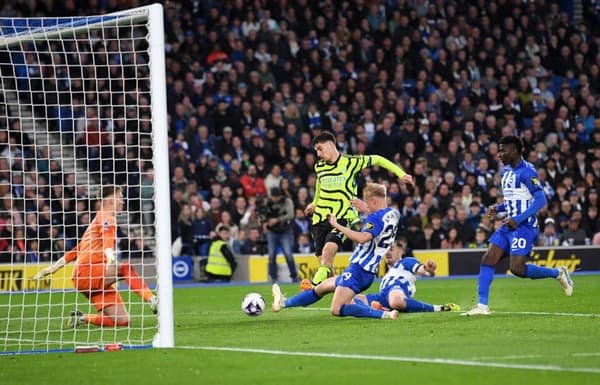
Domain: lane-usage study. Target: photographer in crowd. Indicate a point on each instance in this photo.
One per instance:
(276, 216)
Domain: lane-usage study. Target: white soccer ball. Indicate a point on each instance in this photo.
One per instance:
(253, 304)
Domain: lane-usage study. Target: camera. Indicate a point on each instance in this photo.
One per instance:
(262, 210)
(268, 209)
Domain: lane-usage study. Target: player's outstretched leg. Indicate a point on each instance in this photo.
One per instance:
(564, 278)
(529, 270)
(278, 298)
(304, 298)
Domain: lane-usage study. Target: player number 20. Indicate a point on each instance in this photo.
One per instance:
(518, 243)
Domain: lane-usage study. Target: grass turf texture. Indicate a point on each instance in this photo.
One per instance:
(211, 316)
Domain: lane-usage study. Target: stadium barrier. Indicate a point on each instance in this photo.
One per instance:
(254, 268)
(450, 262)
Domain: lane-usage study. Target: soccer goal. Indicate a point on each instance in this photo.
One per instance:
(82, 106)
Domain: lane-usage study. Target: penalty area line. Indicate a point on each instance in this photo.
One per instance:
(422, 360)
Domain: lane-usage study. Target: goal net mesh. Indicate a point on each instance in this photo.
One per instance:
(75, 115)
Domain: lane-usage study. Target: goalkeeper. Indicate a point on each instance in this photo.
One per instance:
(336, 187)
(96, 271)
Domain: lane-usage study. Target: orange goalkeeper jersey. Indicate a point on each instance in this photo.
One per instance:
(100, 235)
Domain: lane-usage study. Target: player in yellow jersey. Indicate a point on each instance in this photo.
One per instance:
(335, 189)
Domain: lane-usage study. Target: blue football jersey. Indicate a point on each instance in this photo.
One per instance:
(518, 186)
(382, 225)
(401, 276)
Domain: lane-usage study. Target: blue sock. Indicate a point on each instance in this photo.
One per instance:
(414, 306)
(537, 272)
(359, 311)
(486, 276)
(303, 299)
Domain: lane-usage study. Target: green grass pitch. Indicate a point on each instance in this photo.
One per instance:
(535, 336)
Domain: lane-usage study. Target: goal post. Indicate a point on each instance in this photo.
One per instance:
(82, 106)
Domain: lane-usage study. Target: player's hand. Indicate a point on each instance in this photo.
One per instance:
(309, 209)
(273, 221)
(360, 205)
(491, 213)
(430, 267)
(332, 220)
(511, 223)
(408, 179)
(41, 274)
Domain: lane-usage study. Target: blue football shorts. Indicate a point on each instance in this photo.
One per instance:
(517, 242)
(355, 278)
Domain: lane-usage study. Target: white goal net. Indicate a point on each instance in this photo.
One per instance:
(82, 106)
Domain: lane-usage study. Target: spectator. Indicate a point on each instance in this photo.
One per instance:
(273, 179)
(304, 244)
(549, 236)
(253, 185)
(184, 230)
(452, 241)
(480, 241)
(591, 222)
(573, 235)
(254, 245)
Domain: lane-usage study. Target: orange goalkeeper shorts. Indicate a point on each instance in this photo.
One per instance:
(89, 281)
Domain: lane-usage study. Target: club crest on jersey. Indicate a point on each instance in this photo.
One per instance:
(535, 181)
(368, 226)
(106, 225)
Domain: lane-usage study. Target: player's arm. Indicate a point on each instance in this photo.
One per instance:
(495, 209)
(417, 268)
(69, 257)
(539, 198)
(310, 208)
(378, 160)
(108, 238)
(427, 269)
(356, 236)
(360, 205)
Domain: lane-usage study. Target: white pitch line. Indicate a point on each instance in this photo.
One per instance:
(525, 356)
(424, 360)
(558, 314)
(548, 313)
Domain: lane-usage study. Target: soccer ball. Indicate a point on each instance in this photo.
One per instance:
(253, 304)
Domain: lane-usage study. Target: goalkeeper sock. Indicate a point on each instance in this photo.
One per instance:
(135, 282)
(414, 306)
(303, 299)
(486, 276)
(322, 274)
(359, 311)
(537, 272)
(101, 320)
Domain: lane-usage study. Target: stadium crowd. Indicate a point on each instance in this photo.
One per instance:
(431, 85)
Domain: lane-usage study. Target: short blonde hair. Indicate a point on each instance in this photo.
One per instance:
(374, 190)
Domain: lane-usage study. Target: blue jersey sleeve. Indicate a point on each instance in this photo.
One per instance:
(411, 264)
(529, 177)
(373, 224)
